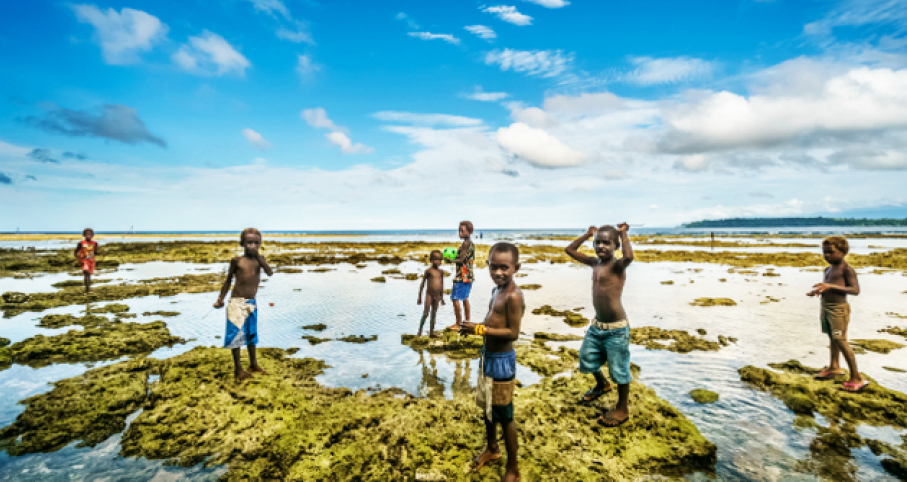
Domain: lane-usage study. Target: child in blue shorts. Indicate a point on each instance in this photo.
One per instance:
(462, 283)
(608, 338)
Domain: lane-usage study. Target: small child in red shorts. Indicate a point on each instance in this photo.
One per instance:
(86, 252)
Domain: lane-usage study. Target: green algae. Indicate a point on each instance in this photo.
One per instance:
(117, 308)
(571, 318)
(530, 287)
(105, 341)
(703, 396)
(315, 327)
(411, 276)
(702, 331)
(713, 302)
(321, 270)
(877, 346)
(379, 279)
(894, 330)
(540, 335)
(392, 271)
(358, 338)
(450, 343)
(892, 369)
(314, 340)
(4, 342)
(651, 337)
(165, 314)
(79, 283)
(668, 282)
(59, 321)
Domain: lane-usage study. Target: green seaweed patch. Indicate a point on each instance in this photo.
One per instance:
(877, 346)
(117, 308)
(391, 271)
(893, 369)
(358, 338)
(726, 340)
(703, 396)
(894, 330)
(651, 337)
(713, 302)
(541, 335)
(315, 327)
(321, 270)
(702, 331)
(59, 321)
(530, 287)
(289, 270)
(411, 276)
(668, 282)
(379, 279)
(450, 343)
(190, 283)
(314, 340)
(4, 342)
(165, 314)
(106, 342)
(570, 317)
(78, 283)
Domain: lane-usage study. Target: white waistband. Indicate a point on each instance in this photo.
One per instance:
(611, 326)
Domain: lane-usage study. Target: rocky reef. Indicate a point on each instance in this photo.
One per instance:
(651, 337)
(571, 318)
(703, 396)
(713, 302)
(877, 346)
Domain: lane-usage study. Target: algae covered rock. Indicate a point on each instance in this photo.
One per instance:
(358, 338)
(314, 340)
(4, 342)
(411, 276)
(315, 327)
(449, 343)
(703, 396)
(165, 314)
(877, 346)
(571, 318)
(894, 330)
(111, 308)
(59, 321)
(379, 279)
(14, 297)
(713, 302)
(540, 335)
(530, 287)
(650, 337)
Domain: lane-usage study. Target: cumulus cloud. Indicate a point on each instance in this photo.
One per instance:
(305, 67)
(256, 139)
(42, 155)
(4, 179)
(210, 54)
(649, 71)
(122, 35)
(112, 121)
(271, 6)
(298, 34)
(509, 14)
(426, 119)
(538, 147)
(318, 118)
(481, 31)
(486, 96)
(550, 3)
(543, 63)
(346, 146)
(435, 36)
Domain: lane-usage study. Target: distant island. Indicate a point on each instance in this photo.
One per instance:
(795, 222)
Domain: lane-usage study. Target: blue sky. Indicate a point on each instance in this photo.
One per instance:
(304, 114)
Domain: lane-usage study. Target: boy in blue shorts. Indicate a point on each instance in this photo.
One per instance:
(462, 283)
(608, 338)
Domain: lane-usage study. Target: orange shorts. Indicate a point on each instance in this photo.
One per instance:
(88, 265)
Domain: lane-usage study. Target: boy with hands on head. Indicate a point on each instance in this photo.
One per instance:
(608, 337)
(500, 328)
(242, 310)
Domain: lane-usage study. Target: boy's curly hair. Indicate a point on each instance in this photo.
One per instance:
(503, 247)
(242, 236)
(614, 233)
(87, 230)
(468, 226)
(838, 242)
(433, 253)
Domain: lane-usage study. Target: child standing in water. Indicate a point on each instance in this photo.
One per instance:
(462, 282)
(498, 365)
(86, 252)
(242, 311)
(608, 338)
(435, 292)
(840, 281)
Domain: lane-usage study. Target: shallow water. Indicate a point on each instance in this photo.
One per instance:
(753, 431)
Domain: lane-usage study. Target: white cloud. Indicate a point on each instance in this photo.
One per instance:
(318, 118)
(509, 14)
(435, 36)
(550, 3)
(544, 63)
(299, 34)
(860, 157)
(122, 35)
(210, 54)
(426, 119)
(650, 71)
(481, 31)
(692, 163)
(12, 150)
(486, 96)
(346, 145)
(256, 139)
(271, 6)
(538, 147)
(409, 21)
(305, 67)
(858, 13)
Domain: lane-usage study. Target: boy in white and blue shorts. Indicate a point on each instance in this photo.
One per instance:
(608, 339)
(462, 283)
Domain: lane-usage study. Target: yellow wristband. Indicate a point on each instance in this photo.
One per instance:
(480, 330)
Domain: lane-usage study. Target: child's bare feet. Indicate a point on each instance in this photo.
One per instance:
(511, 476)
(258, 369)
(433, 336)
(454, 327)
(487, 456)
(419, 335)
(243, 375)
(614, 418)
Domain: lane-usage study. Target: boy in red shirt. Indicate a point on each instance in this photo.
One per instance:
(85, 252)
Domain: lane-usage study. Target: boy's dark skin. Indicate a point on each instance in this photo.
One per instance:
(461, 256)
(608, 277)
(505, 313)
(247, 269)
(88, 234)
(434, 294)
(840, 280)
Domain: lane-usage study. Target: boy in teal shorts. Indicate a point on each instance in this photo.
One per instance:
(462, 283)
(608, 338)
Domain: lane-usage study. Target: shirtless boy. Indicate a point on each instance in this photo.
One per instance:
(435, 293)
(608, 338)
(242, 311)
(86, 252)
(462, 282)
(840, 281)
(501, 328)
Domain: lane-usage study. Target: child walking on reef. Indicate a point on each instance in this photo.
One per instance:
(434, 294)
(608, 338)
(497, 371)
(840, 280)
(86, 252)
(462, 282)
(242, 311)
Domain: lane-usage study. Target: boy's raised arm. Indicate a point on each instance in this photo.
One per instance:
(227, 282)
(572, 250)
(625, 247)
